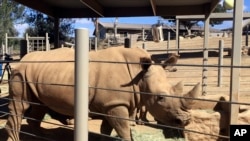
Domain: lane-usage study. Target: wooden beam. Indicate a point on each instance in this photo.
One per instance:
(217, 16)
(95, 6)
(128, 11)
(38, 5)
(213, 5)
(75, 13)
(180, 10)
(152, 2)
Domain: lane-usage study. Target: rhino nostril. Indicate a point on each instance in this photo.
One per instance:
(178, 121)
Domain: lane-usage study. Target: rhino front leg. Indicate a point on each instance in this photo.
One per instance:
(35, 116)
(142, 115)
(105, 129)
(121, 126)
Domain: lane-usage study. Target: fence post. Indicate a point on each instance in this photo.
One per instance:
(23, 48)
(144, 46)
(6, 43)
(236, 60)
(89, 44)
(28, 43)
(3, 46)
(96, 44)
(168, 46)
(205, 56)
(81, 84)
(47, 41)
(220, 62)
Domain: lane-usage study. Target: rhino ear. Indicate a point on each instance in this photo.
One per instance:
(171, 60)
(145, 63)
(194, 93)
(178, 88)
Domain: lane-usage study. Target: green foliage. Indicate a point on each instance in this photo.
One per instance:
(39, 24)
(10, 13)
(189, 24)
(219, 9)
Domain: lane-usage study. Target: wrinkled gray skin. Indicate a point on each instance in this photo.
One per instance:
(127, 77)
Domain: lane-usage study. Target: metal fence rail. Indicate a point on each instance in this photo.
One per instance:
(210, 68)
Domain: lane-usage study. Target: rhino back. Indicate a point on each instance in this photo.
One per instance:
(113, 76)
(102, 75)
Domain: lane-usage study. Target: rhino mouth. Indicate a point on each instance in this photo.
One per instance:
(176, 122)
(181, 123)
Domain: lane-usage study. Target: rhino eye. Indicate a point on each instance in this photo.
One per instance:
(160, 98)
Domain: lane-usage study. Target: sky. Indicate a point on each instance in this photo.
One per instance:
(86, 23)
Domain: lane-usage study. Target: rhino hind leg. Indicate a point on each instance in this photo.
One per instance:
(17, 108)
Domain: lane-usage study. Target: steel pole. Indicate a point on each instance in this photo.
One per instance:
(81, 84)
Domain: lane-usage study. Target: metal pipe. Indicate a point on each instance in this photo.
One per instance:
(168, 45)
(220, 62)
(81, 84)
(205, 56)
(236, 60)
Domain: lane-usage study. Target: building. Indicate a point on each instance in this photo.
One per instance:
(119, 31)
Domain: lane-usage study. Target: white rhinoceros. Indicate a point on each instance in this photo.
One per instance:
(38, 82)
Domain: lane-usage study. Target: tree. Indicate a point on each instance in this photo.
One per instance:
(10, 13)
(40, 24)
(189, 24)
(95, 21)
(218, 9)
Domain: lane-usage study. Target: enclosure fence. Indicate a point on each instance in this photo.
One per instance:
(33, 43)
(82, 88)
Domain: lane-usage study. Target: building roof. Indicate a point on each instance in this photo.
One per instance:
(120, 8)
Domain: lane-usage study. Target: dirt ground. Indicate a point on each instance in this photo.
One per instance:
(189, 75)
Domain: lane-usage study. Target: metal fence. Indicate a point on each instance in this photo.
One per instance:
(81, 86)
(33, 43)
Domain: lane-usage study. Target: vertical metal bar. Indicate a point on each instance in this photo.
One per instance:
(56, 32)
(205, 56)
(220, 62)
(236, 59)
(177, 39)
(96, 43)
(89, 44)
(143, 34)
(81, 84)
(6, 43)
(168, 46)
(47, 41)
(144, 46)
(247, 28)
(43, 45)
(28, 43)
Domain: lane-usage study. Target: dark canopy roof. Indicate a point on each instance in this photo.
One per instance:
(120, 8)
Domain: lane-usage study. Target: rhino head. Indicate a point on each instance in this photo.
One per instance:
(162, 102)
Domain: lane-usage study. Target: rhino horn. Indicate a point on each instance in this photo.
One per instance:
(194, 93)
(178, 88)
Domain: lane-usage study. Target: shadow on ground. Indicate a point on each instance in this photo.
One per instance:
(55, 134)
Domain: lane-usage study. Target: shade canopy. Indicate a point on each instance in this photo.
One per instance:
(120, 8)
